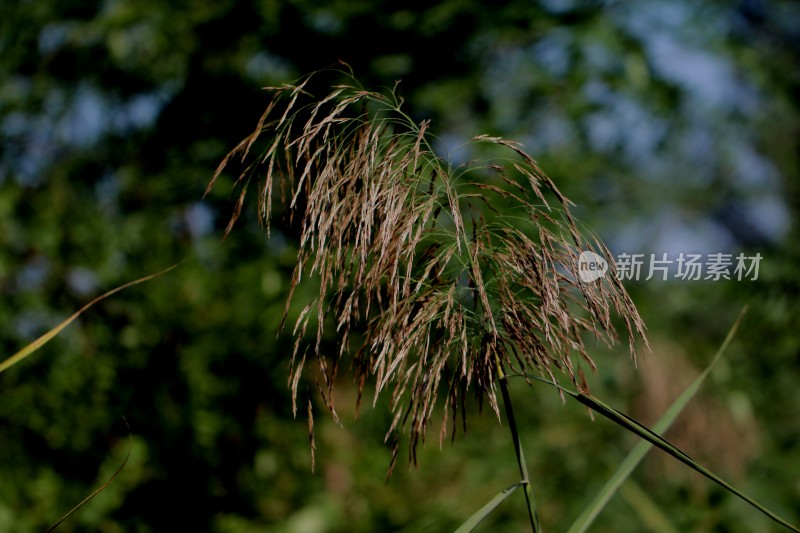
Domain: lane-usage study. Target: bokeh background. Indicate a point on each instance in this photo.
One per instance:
(674, 126)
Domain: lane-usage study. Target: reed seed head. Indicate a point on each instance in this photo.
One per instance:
(448, 273)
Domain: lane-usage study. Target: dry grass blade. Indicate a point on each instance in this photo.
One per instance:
(102, 487)
(448, 272)
(48, 336)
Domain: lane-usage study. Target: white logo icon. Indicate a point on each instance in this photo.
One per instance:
(591, 266)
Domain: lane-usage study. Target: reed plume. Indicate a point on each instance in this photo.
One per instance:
(451, 275)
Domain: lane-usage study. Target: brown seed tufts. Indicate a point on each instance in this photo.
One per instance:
(445, 272)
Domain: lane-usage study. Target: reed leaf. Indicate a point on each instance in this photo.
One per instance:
(99, 489)
(652, 437)
(636, 455)
(635, 427)
(480, 515)
(49, 335)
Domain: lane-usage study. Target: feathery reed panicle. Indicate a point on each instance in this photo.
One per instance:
(445, 272)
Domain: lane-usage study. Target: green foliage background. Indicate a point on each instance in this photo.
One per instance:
(673, 126)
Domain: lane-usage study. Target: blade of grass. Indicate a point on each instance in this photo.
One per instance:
(650, 514)
(47, 337)
(630, 462)
(474, 520)
(635, 427)
(102, 487)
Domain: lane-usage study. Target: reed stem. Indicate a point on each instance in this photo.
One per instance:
(523, 468)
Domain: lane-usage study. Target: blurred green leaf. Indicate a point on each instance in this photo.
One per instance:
(473, 521)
